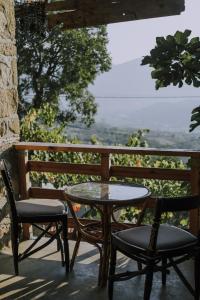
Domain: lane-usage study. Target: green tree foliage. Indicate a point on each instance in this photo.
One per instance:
(176, 60)
(58, 62)
(40, 125)
(167, 188)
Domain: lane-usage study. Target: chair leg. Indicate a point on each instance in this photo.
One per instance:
(139, 266)
(62, 254)
(197, 276)
(66, 244)
(112, 272)
(58, 242)
(15, 245)
(148, 283)
(100, 264)
(76, 247)
(164, 271)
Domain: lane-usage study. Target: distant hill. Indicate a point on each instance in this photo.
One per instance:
(124, 82)
(108, 135)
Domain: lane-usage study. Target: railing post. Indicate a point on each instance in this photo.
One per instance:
(23, 174)
(195, 186)
(24, 184)
(105, 167)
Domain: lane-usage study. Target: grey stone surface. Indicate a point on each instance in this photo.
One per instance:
(43, 277)
(7, 20)
(6, 78)
(9, 122)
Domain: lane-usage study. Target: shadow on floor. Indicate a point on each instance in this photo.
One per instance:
(43, 277)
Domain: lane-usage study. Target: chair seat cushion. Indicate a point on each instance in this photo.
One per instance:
(169, 238)
(40, 207)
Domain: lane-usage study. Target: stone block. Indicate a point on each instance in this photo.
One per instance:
(3, 127)
(14, 72)
(13, 125)
(6, 79)
(8, 102)
(8, 49)
(7, 19)
(8, 72)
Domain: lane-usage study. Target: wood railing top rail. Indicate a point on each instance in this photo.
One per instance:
(105, 149)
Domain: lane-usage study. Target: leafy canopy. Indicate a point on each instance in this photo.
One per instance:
(176, 60)
(57, 66)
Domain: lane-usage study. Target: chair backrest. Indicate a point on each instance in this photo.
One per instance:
(171, 204)
(9, 187)
(178, 203)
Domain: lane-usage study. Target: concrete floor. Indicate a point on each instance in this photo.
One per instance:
(43, 277)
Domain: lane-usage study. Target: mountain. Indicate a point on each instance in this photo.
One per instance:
(126, 97)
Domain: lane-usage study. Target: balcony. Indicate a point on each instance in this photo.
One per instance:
(41, 276)
(105, 169)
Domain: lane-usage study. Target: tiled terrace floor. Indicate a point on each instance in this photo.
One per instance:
(42, 277)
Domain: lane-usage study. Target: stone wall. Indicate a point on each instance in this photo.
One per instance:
(9, 122)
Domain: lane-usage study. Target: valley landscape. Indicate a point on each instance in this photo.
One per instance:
(127, 101)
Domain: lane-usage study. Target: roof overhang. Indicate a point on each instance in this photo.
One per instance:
(86, 13)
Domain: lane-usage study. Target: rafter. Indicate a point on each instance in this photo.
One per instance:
(81, 13)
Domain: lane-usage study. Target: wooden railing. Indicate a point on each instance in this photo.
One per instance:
(104, 169)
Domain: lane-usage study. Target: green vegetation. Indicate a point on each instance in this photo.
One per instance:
(63, 63)
(176, 60)
(105, 134)
(40, 125)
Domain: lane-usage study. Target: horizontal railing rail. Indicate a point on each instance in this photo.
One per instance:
(115, 171)
(105, 149)
(105, 169)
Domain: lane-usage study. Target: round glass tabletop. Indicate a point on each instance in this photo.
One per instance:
(110, 193)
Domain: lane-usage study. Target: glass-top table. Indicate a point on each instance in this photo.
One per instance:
(104, 197)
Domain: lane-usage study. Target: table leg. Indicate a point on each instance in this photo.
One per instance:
(106, 226)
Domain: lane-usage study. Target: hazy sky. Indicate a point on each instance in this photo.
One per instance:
(130, 40)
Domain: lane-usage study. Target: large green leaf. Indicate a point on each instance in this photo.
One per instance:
(176, 60)
(195, 118)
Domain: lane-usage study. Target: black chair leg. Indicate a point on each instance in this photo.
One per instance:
(197, 277)
(66, 244)
(112, 272)
(100, 265)
(148, 283)
(76, 247)
(139, 266)
(58, 242)
(15, 245)
(164, 271)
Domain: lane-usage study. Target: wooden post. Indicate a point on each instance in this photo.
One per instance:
(105, 167)
(195, 186)
(24, 185)
(24, 182)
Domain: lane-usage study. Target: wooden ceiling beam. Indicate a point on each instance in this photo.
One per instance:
(77, 20)
(86, 13)
(61, 5)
